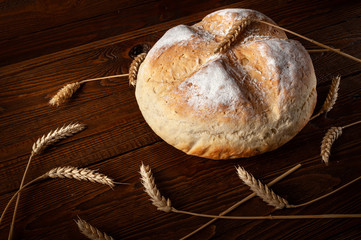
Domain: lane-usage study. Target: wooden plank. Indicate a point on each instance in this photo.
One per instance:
(83, 23)
(158, 18)
(19, 18)
(118, 139)
(192, 183)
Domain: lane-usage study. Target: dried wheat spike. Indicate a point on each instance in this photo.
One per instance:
(81, 174)
(332, 95)
(64, 94)
(91, 232)
(55, 136)
(157, 199)
(232, 35)
(261, 190)
(330, 137)
(134, 67)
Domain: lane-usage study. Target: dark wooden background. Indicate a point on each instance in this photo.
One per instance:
(45, 44)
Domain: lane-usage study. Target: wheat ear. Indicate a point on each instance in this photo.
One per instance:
(43, 142)
(81, 174)
(261, 190)
(232, 35)
(54, 136)
(64, 94)
(69, 89)
(330, 137)
(157, 199)
(331, 97)
(134, 68)
(90, 231)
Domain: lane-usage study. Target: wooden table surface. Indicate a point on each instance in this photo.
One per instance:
(46, 44)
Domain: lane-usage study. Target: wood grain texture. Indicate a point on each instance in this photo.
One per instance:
(46, 44)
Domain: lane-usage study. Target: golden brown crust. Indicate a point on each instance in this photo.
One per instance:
(252, 98)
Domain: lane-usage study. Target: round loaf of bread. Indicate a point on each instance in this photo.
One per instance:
(251, 98)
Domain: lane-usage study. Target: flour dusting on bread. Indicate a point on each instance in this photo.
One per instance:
(177, 35)
(211, 87)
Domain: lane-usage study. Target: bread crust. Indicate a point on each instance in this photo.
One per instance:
(251, 99)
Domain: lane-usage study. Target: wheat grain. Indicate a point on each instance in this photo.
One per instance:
(90, 231)
(81, 174)
(64, 94)
(55, 136)
(157, 199)
(261, 190)
(232, 35)
(102, 78)
(330, 137)
(134, 67)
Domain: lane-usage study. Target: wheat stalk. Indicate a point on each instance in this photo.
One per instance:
(81, 174)
(312, 41)
(331, 97)
(43, 142)
(157, 199)
(272, 217)
(261, 190)
(69, 89)
(234, 206)
(90, 231)
(134, 67)
(320, 50)
(18, 192)
(325, 195)
(330, 137)
(232, 35)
